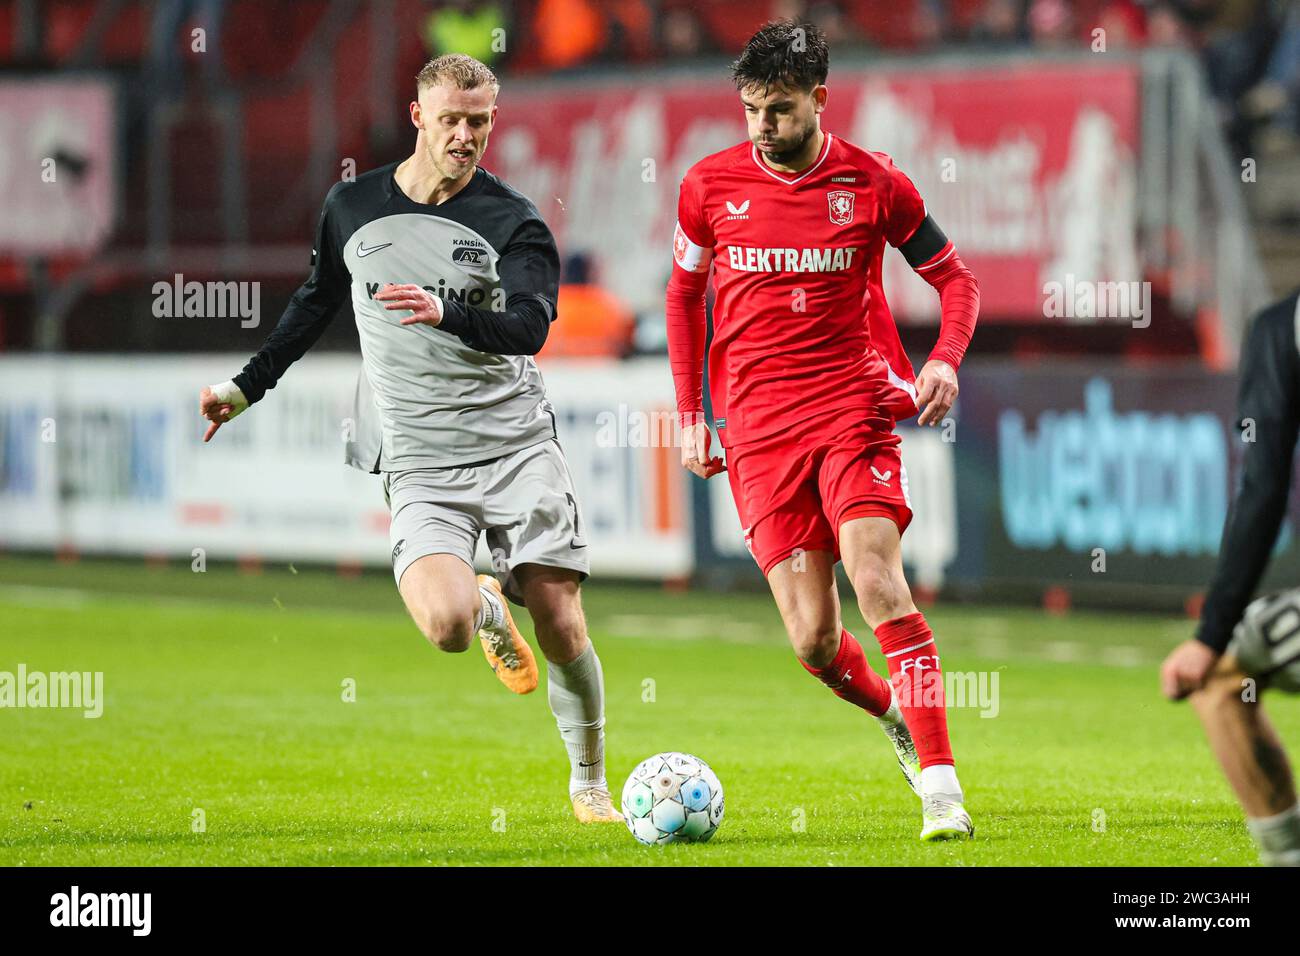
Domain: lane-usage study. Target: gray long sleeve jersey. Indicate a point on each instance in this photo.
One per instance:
(465, 391)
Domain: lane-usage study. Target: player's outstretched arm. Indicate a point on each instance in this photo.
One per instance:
(309, 311)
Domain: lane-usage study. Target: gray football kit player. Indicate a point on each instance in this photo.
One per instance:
(455, 416)
(1263, 635)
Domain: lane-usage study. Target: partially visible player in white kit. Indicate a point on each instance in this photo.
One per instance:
(453, 278)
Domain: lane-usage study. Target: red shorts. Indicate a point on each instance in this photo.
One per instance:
(795, 490)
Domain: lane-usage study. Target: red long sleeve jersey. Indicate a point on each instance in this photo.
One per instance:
(797, 269)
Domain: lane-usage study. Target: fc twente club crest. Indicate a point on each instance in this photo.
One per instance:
(841, 206)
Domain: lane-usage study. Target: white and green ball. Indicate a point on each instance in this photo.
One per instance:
(672, 798)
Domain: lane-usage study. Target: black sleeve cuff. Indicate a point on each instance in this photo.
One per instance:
(1214, 636)
(455, 320)
(246, 386)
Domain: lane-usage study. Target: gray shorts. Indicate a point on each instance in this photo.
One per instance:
(523, 501)
(1267, 641)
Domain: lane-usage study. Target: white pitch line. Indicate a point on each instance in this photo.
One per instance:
(77, 598)
(34, 596)
(1064, 652)
(673, 627)
(1122, 656)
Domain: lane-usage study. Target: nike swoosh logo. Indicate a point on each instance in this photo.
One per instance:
(592, 764)
(362, 251)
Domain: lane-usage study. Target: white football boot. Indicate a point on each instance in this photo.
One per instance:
(895, 728)
(944, 819)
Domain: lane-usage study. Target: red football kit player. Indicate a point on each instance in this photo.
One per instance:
(808, 377)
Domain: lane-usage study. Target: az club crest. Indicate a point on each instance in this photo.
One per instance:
(841, 206)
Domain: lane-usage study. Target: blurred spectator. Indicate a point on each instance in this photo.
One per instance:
(929, 20)
(682, 34)
(568, 32)
(631, 30)
(465, 26)
(590, 320)
(1235, 38)
(1275, 100)
(168, 47)
(998, 23)
(1125, 24)
(1051, 24)
(1166, 28)
(827, 14)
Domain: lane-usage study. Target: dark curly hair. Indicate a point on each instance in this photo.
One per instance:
(783, 53)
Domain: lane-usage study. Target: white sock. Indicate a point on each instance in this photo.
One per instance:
(940, 780)
(490, 612)
(892, 716)
(1278, 837)
(576, 693)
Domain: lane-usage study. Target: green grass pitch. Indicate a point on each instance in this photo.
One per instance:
(224, 694)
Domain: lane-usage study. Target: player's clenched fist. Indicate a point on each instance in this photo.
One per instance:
(695, 451)
(425, 307)
(1186, 668)
(936, 390)
(219, 404)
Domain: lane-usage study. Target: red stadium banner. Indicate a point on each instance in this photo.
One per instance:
(1041, 193)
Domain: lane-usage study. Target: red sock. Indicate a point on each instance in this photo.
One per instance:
(917, 676)
(852, 679)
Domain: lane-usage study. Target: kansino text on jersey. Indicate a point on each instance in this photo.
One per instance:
(494, 299)
(755, 259)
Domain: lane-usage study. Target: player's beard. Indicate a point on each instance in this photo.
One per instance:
(785, 157)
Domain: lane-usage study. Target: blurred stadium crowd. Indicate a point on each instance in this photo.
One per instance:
(1250, 48)
(228, 141)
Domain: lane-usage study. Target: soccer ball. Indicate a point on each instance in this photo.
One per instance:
(672, 798)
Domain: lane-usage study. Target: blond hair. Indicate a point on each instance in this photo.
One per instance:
(461, 71)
